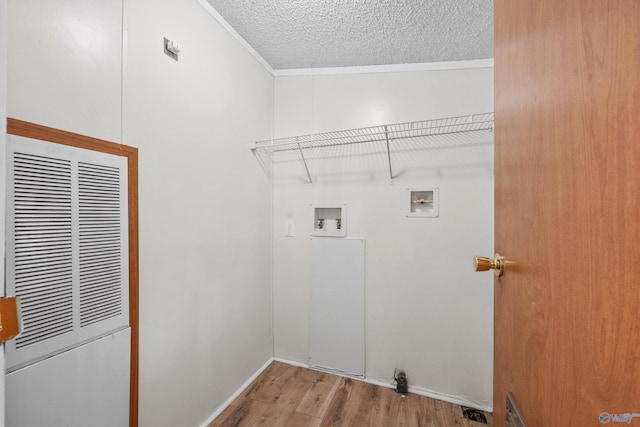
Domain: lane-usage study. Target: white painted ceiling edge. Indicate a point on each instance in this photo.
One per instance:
(428, 66)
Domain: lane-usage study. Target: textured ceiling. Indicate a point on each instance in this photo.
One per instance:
(342, 33)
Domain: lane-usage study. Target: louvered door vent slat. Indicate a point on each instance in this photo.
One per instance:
(100, 245)
(42, 228)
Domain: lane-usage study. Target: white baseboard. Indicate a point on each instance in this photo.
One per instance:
(237, 393)
(291, 362)
(435, 395)
(456, 400)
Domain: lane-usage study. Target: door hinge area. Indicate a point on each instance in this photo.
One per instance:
(514, 416)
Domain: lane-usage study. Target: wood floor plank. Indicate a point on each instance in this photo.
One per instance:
(365, 397)
(335, 415)
(375, 410)
(440, 413)
(288, 399)
(356, 404)
(271, 382)
(455, 415)
(295, 388)
(275, 415)
(399, 412)
(489, 417)
(381, 410)
(246, 415)
(287, 396)
(273, 370)
(299, 419)
(317, 399)
(420, 411)
(223, 416)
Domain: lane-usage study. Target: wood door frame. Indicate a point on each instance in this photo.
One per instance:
(44, 133)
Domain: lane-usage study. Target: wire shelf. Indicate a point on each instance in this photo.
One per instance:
(426, 131)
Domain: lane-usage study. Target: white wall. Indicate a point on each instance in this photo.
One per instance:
(64, 65)
(205, 262)
(63, 70)
(3, 198)
(205, 270)
(426, 310)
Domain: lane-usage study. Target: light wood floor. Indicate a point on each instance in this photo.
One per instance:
(284, 395)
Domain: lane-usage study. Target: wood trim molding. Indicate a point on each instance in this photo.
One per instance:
(43, 133)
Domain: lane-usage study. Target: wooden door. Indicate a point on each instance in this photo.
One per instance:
(567, 310)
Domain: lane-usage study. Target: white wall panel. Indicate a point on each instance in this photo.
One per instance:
(64, 65)
(73, 389)
(309, 104)
(3, 131)
(205, 221)
(336, 305)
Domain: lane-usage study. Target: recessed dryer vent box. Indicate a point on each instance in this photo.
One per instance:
(330, 220)
(423, 202)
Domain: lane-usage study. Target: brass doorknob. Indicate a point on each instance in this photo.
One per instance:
(481, 263)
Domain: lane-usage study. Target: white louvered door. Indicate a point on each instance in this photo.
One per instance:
(40, 246)
(67, 260)
(67, 247)
(100, 208)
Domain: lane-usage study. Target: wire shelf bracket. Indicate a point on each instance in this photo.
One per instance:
(304, 162)
(386, 136)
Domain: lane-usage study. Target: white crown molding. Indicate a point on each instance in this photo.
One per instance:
(223, 22)
(392, 68)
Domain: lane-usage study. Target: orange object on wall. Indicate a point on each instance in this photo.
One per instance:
(9, 319)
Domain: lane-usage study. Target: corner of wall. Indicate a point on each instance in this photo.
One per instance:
(3, 136)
